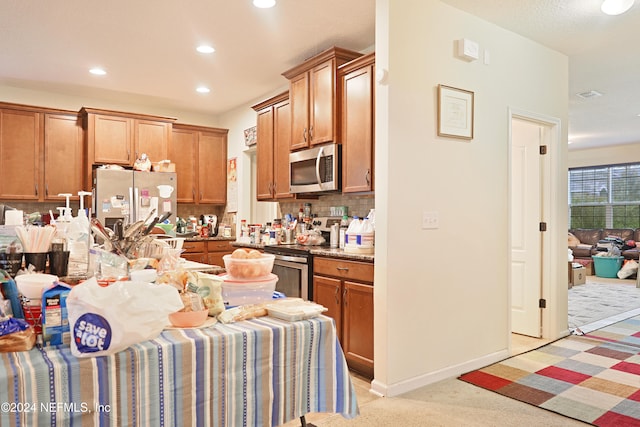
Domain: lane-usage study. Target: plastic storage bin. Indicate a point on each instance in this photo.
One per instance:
(241, 292)
(607, 266)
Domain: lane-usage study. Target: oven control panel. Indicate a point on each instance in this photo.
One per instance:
(324, 223)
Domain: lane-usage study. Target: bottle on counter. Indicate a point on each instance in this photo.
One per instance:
(334, 236)
(266, 234)
(344, 224)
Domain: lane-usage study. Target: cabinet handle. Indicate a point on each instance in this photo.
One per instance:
(336, 295)
(311, 133)
(342, 268)
(344, 296)
(193, 192)
(37, 190)
(304, 134)
(128, 154)
(367, 176)
(201, 195)
(46, 189)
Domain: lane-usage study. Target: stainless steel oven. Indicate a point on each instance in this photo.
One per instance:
(294, 268)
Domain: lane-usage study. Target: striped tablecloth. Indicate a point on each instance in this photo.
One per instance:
(260, 372)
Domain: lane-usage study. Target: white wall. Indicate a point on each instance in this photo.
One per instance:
(75, 103)
(628, 153)
(441, 296)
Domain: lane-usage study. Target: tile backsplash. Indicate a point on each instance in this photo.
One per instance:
(358, 205)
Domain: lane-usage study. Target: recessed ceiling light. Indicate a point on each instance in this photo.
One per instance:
(98, 71)
(203, 89)
(616, 7)
(264, 4)
(205, 49)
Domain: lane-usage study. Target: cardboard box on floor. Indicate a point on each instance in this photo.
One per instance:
(578, 276)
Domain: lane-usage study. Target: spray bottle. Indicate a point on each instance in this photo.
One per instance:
(79, 235)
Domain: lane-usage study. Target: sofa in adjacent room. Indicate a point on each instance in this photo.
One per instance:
(583, 242)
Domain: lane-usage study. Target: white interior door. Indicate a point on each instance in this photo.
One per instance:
(526, 241)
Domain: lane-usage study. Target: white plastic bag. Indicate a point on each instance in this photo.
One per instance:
(106, 320)
(629, 268)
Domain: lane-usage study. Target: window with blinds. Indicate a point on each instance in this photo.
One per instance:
(605, 197)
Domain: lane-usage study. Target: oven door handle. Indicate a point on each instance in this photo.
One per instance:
(291, 258)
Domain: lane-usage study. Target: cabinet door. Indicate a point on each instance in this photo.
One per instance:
(327, 292)
(357, 130)
(357, 327)
(112, 139)
(183, 151)
(212, 168)
(218, 249)
(152, 138)
(20, 138)
(281, 144)
(299, 98)
(63, 156)
(264, 154)
(322, 103)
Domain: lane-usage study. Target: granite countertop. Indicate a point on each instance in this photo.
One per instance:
(199, 239)
(318, 251)
(340, 253)
(247, 245)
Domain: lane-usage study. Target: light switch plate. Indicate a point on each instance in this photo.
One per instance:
(430, 220)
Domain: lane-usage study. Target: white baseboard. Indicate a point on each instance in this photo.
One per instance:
(390, 390)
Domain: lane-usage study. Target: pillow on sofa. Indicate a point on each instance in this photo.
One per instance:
(573, 241)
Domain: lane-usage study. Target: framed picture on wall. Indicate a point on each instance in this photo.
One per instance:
(455, 112)
(250, 136)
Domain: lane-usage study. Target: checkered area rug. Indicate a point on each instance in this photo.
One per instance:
(593, 378)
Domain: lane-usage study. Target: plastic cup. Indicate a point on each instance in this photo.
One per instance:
(59, 263)
(37, 259)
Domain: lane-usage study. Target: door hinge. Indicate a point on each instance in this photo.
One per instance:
(543, 150)
(542, 303)
(543, 226)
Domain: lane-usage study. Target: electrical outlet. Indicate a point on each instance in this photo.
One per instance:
(430, 220)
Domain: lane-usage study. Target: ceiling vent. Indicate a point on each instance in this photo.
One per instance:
(589, 94)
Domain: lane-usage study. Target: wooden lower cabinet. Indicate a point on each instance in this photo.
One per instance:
(346, 289)
(207, 251)
(216, 250)
(195, 251)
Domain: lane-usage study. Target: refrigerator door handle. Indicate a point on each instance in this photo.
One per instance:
(132, 218)
(137, 204)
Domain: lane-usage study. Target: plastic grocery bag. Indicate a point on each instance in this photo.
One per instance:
(106, 320)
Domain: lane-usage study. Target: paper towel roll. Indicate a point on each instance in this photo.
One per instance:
(13, 217)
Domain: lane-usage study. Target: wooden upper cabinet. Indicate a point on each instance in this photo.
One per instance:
(152, 138)
(274, 140)
(111, 138)
(264, 154)
(183, 151)
(20, 148)
(200, 156)
(281, 149)
(357, 124)
(63, 156)
(313, 93)
(212, 167)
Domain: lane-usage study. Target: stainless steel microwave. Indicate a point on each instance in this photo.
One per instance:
(315, 169)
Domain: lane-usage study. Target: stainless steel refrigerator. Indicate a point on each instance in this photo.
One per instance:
(131, 195)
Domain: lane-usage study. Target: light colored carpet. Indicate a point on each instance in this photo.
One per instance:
(600, 299)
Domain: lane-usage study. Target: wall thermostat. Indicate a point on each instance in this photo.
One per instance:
(468, 49)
